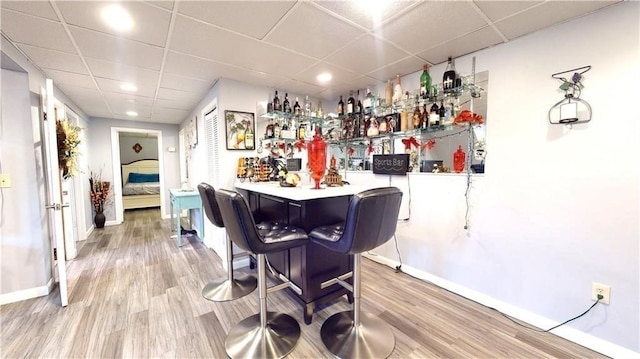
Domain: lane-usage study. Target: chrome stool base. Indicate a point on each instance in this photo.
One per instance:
(372, 339)
(223, 290)
(249, 340)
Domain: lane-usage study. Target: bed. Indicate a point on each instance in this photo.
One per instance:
(141, 184)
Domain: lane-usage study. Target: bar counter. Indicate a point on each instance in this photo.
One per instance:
(310, 265)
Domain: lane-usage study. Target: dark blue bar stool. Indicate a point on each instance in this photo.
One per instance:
(230, 288)
(371, 221)
(267, 334)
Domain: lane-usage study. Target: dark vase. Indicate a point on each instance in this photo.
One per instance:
(99, 220)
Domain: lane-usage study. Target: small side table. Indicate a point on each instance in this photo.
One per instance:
(180, 200)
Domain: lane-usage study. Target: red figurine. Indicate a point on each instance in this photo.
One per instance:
(317, 152)
(458, 160)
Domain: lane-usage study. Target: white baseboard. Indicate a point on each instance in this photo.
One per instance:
(586, 340)
(25, 294)
(89, 231)
(111, 223)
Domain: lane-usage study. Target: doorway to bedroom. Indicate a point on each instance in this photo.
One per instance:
(137, 169)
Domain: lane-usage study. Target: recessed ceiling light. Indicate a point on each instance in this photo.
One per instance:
(132, 113)
(324, 77)
(128, 87)
(117, 18)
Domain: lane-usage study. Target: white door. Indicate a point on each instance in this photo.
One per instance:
(54, 203)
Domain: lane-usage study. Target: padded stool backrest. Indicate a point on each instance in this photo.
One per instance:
(211, 209)
(238, 220)
(371, 220)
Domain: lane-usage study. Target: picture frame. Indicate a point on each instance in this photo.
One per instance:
(240, 129)
(192, 133)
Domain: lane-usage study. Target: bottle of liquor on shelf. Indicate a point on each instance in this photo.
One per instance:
(388, 98)
(367, 103)
(340, 107)
(425, 116)
(276, 103)
(405, 125)
(434, 115)
(302, 131)
(276, 130)
(307, 106)
(286, 106)
(382, 125)
(373, 128)
(359, 105)
(416, 116)
(442, 111)
(425, 82)
(350, 104)
(363, 125)
(269, 106)
(378, 102)
(296, 108)
(397, 90)
(449, 77)
(320, 113)
(269, 131)
(249, 139)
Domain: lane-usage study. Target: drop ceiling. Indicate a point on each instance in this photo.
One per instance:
(177, 50)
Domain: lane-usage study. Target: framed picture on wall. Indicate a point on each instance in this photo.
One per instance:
(240, 130)
(192, 133)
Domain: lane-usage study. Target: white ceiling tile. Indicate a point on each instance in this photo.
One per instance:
(128, 98)
(364, 82)
(109, 85)
(463, 45)
(179, 104)
(440, 19)
(312, 32)
(57, 60)
(70, 78)
(363, 15)
(120, 109)
(402, 67)
(36, 8)
(168, 94)
(169, 115)
(183, 83)
(116, 49)
(339, 75)
(298, 87)
(189, 66)
(87, 14)
(251, 18)
(167, 4)
(545, 15)
(496, 10)
(366, 54)
(123, 73)
(35, 31)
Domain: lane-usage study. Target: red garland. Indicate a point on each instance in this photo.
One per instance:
(281, 145)
(350, 151)
(300, 145)
(410, 141)
(429, 144)
(370, 148)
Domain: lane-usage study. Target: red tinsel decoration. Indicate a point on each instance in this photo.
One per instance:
(300, 145)
(429, 144)
(350, 151)
(410, 141)
(369, 148)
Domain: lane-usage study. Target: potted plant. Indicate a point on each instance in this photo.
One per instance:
(99, 191)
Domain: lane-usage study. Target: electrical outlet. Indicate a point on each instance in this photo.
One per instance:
(600, 289)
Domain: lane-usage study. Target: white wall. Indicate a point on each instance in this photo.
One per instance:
(556, 209)
(100, 149)
(149, 148)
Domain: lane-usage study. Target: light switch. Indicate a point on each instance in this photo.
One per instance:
(5, 180)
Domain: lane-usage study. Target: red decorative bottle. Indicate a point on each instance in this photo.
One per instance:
(458, 160)
(317, 152)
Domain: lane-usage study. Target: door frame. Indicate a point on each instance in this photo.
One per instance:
(79, 181)
(117, 170)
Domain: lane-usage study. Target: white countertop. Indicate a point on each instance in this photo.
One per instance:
(300, 192)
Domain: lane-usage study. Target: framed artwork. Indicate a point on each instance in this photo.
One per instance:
(192, 133)
(240, 130)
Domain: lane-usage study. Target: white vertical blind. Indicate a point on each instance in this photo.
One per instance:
(212, 138)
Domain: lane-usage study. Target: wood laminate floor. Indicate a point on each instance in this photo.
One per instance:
(133, 293)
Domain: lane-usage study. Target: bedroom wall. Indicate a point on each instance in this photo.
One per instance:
(149, 148)
(100, 147)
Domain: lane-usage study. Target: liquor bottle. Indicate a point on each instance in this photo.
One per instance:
(382, 125)
(302, 129)
(248, 138)
(425, 82)
(296, 108)
(320, 114)
(350, 104)
(363, 124)
(359, 105)
(373, 128)
(434, 116)
(449, 77)
(425, 116)
(416, 116)
(269, 132)
(270, 106)
(368, 101)
(307, 106)
(286, 106)
(404, 120)
(388, 94)
(276, 103)
(397, 90)
(276, 130)
(340, 107)
(442, 111)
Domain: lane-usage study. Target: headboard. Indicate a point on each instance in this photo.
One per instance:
(141, 166)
